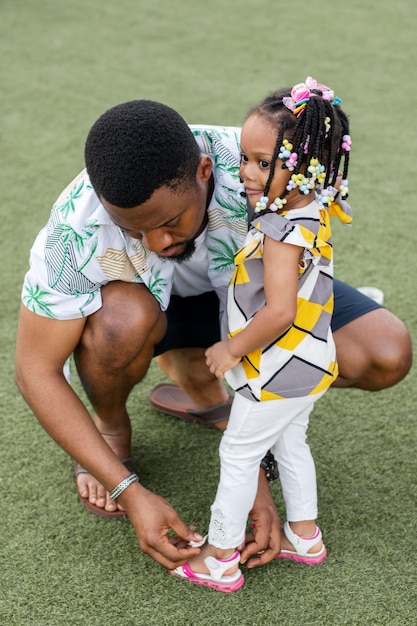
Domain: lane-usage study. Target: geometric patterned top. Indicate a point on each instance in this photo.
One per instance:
(301, 361)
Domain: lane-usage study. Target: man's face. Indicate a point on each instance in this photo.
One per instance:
(169, 222)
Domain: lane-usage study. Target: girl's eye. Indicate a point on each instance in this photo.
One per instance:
(243, 158)
(264, 164)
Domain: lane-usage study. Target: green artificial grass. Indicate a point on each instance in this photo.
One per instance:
(63, 64)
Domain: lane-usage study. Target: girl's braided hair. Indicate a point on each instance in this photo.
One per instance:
(319, 130)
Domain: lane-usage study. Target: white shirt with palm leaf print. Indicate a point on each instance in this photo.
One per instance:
(80, 249)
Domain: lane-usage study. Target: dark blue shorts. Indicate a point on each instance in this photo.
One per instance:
(349, 303)
(194, 322)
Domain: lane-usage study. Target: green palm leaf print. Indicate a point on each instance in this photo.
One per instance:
(36, 300)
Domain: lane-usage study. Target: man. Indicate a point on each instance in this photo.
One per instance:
(155, 224)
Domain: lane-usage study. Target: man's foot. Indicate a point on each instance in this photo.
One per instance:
(90, 491)
(101, 506)
(172, 400)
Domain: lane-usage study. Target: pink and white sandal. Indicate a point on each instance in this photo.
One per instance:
(302, 546)
(215, 578)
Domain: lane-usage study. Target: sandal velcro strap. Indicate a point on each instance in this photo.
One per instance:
(301, 545)
(217, 567)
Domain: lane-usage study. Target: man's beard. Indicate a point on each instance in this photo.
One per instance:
(184, 256)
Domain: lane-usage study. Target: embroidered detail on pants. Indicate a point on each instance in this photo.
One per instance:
(218, 532)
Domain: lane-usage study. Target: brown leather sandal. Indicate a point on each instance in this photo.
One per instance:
(172, 400)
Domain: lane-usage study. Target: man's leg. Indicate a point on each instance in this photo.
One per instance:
(192, 322)
(373, 347)
(187, 368)
(373, 351)
(113, 355)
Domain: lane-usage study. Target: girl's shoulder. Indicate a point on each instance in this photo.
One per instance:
(297, 226)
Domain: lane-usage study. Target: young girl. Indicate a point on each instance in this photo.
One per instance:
(279, 356)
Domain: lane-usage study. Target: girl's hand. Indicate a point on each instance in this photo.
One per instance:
(219, 359)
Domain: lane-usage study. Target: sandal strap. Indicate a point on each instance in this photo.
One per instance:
(301, 545)
(198, 544)
(214, 414)
(128, 463)
(217, 567)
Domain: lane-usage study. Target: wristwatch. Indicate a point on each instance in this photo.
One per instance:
(270, 466)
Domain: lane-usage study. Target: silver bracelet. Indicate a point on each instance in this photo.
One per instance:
(117, 491)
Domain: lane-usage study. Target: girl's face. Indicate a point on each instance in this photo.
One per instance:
(257, 144)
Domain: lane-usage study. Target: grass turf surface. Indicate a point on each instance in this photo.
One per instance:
(63, 64)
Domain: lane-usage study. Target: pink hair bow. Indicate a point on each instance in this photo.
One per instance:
(300, 95)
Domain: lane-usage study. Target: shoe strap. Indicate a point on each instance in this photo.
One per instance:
(301, 545)
(214, 414)
(129, 464)
(198, 544)
(217, 567)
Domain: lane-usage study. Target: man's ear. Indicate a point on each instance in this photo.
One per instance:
(204, 169)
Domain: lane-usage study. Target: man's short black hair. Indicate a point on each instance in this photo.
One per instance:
(137, 147)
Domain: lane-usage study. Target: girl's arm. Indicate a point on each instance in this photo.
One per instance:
(281, 262)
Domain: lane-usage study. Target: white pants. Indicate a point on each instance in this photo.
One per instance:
(253, 429)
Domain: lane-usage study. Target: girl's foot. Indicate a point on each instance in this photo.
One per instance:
(222, 574)
(309, 549)
(198, 563)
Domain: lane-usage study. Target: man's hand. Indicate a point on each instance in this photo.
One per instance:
(264, 544)
(152, 518)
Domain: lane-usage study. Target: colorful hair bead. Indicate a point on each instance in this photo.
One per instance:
(304, 184)
(316, 170)
(278, 204)
(262, 204)
(346, 143)
(326, 197)
(289, 158)
(284, 154)
(344, 189)
(291, 185)
(285, 150)
(291, 161)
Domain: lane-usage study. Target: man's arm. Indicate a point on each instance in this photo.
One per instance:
(43, 345)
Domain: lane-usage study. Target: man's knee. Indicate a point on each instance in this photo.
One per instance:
(374, 351)
(129, 322)
(396, 355)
